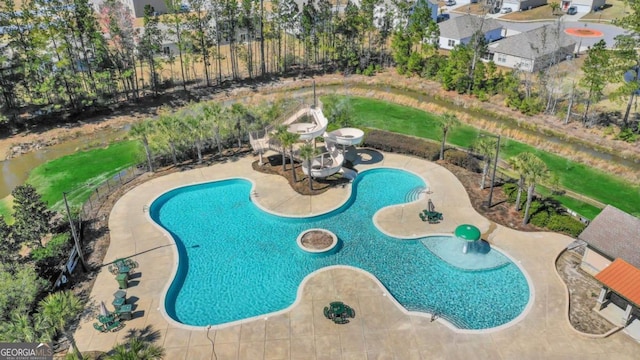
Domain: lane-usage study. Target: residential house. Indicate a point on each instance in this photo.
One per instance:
(137, 6)
(459, 30)
(583, 6)
(532, 50)
(612, 255)
(612, 234)
(386, 6)
(522, 5)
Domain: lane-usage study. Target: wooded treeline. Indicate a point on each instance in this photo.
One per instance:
(61, 56)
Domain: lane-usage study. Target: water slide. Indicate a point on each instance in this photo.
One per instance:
(336, 142)
(323, 165)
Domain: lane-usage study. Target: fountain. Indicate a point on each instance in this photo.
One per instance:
(469, 233)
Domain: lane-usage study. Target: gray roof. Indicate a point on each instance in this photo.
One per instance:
(616, 234)
(534, 43)
(465, 26)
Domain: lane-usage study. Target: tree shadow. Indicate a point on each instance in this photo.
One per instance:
(146, 334)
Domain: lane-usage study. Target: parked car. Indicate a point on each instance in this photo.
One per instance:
(450, 2)
(442, 17)
(572, 10)
(505, 10)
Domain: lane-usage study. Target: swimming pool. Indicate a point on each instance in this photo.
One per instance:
(237, 261)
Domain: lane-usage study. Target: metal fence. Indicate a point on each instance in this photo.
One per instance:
(91, 206)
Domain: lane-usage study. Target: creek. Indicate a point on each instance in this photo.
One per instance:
(16, 171)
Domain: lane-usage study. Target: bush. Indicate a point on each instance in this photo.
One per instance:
(49, 257)
(462, 159)
(511, 191)
(565, 224)
(627, 135)
(530, 106)
(401, 144)
(56, 247)
(539, 218)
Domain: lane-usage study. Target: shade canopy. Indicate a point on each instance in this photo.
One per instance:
(467, 232)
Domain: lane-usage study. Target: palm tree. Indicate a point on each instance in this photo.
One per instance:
(141, 132)
(21, 329)
(519, 163)
(280, 135)
(57, 311)
(485, 147)
(240, 116)
(170, 130)
(536, 171)
(288, 140)
(136, 349)
(212, 114)
(197, 131)
(447, 122)
(307, 153)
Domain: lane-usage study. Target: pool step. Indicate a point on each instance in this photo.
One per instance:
(415, 194)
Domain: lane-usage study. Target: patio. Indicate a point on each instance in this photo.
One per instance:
(381, 329)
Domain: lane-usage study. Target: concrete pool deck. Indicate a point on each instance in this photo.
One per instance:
(381, 330)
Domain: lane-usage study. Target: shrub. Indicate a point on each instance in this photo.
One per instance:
(540, 218)
(565, 224)
(627, 135)
(511, 191)
(462, 159)
(401, 144)
(530, 106)
(49, 257)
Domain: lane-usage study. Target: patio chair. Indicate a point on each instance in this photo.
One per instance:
(422, 217)
(328, 314)
(350, 312)
(99, 327)
(114, 326)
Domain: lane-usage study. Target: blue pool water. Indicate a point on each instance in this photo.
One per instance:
(237, 262)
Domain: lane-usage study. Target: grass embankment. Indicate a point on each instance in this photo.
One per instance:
(573, 176)
(79, 174)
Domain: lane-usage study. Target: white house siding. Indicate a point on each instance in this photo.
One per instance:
(593, 263)
(445, 43)
(137, 6)
(513, 62)
(586, 6)
(492, 35)
(517, 5)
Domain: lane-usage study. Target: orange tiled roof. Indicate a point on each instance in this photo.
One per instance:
(623, 278)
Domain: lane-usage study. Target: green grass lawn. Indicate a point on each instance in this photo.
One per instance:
(80, 173)
(573, 176)
(5, 209)
(586, 210)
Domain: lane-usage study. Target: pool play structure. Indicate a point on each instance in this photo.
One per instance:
(238, 262)
(338, 143)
